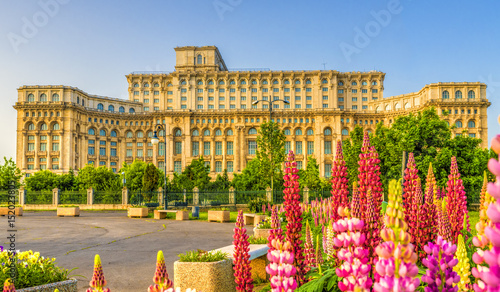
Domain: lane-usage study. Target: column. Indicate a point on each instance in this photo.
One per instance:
(170, 147)
(236, 146)
(212, 153)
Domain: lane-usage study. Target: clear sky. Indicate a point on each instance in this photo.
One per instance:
(93, 44)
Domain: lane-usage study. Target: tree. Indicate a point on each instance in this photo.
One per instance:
(150, 178)
(8, 173)
(67, 181)
(197, 173)
(250, 179)
(133, 174)
(310, 176)
(270, 143)
(43, 180)
(221, 182)
(100, 179)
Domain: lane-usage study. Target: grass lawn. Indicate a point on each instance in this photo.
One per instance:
(473, 219)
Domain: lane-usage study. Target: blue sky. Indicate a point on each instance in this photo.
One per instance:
(92, 44)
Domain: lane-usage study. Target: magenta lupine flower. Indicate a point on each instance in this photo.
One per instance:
(242, 269)
(275, 232)
(489, 276)
(395, 267)
(440, 262)
(160, 279)
(310, 256)
(355, 202)
(444, 226)
(8, 286)
(339, 181)
(427, 216)
(371, 228)
(410, 203)
(98, 282)
(354, 269)
(281, 268)
(456, 201)
(293, 214)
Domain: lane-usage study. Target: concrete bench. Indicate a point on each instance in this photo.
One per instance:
(258, 258)
(253, 219)
(179, 215)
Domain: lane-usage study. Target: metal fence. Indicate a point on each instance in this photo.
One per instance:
(107, 197)
(178, 198)
(40, 197)
(214, 198)
(4, 197)
(141, 197)
(319, 194)
(244, 197)
(73, 197)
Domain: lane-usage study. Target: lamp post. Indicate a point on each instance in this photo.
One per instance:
(156, 141)
(271, 133)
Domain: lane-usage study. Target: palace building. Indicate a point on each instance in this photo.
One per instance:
(208, 110)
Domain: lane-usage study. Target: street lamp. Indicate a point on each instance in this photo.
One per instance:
(156, 141)
(271, 132)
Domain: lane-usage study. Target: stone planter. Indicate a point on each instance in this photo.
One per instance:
(138, 212)
(68, 211)
(64, 286)
(5, 211)
(253, 219)
(182, 215)
(221, 216)
(261, 233)
(206, 277)
(159, 215)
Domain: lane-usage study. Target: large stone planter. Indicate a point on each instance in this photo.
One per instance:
(5, 211)
(264, 233)
(138, 212)
(221, 216)
(253, 219)
(64, 286)
(182, 215)
(68, 211)
(206, 277)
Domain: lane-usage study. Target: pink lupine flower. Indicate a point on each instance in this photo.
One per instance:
(160, 279)
(339, 182)
(281, 268)
(242, 269)
(456, 201)
(98, 282)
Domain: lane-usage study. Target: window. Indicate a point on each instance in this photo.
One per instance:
(374, 83)
(44, 127)
(196, 148)
(471, 124)
(91, 150)
(374, 90)
(458, 124)
(55, 126)
(113, 133)
(140, 134)
(177, 167)
(458, 94)
(345, 132)
(113, 152)
(121, 109)
(131, 110)
(178, 147)
(100, 106)
(229, 148)
(328, 170)
(328, 147)
(140, 153)
(55, 97)
(252, 131)
(102, 132)
(310, 147)
(252, 147)
(299, 164)
(446, 94)
(43, 97)
(199, 59)
(298, 147)
(298, 132)
(206, 148)
(229, 166)
(206, 132)
(55, 146)
(471, 94)
(472, 135)
(341, 99)
(218, 148)
(218, 166)
(364, 90)
(129, 152)
(354, 107)
(31, 98)
(91, 131)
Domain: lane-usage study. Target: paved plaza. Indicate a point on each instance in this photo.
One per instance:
(127, 247)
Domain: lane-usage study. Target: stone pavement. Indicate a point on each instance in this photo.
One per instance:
(127, 247)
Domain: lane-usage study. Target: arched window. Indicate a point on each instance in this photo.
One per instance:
(276, 81)
(43, 97)
(471, 94)
(407, 105)
(199, 82)
(31, 98)
(136, 84)
(446, 94)
(31, 127)
(287, 81)
(150, 134)
(55, 97)
(471, 124)
(243, 82)
(252, 131)
(354, 83)
(111, 108)
(206, 132)
(341, 83)
(310, 132)
(374, 83)
(83, 102)
(113, 133)
(156, 85)
(232, 82)
(129, 134)
(447, 123)
(183, 82)
(397, 106)
(169, 85)
(91, 131)
(308, 81)
(100, 106)
(210, 82)
(458, 94)
(221, 82)
(264, 82)
(55, 126)
(324, 81)
(327, 132)
(131, 110)
(297, 81)
(196, 133)
(121, 109)
(458, 124)
(178, 133)
(161, 133)
(146, 84)
(345, 132)
(199, 59)
(44, 127)
(364, 83)
(229, 132)
(298, 132)
(140, 134)
(388, 107)
(287, 132)
(102, 132)
(218, 132)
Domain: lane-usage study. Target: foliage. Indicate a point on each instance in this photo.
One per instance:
(270, 143)
(150, 178)
(67, 181)
(100, 179)
(221, 182)
(41, 180)
(32, 269)
(321, 281)
(194, 175)
(134, 173)
(250, 178)
(257, 240)
(255, 205)
(309, 177)
(202, 256)
(9, 172)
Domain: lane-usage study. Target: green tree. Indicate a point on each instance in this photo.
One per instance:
(221, 182)
(67, 181)
(270, 143)
(250, 179)
(100, 179)
(43, 180)
(9, 172)
(150, 178)
(309, 177)
(133, 174)
(197, 174)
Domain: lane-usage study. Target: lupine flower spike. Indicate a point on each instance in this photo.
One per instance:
(355, 202)
(396, 266)
(281, 267)
(481, 240)
(463, 266)
(98, 282)
(440, 275)
(160, 279)
(456, 201)
(242, 269)
(8, 286)
(310, 259)
(339, 183)
(275, 232)
(427, 216)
